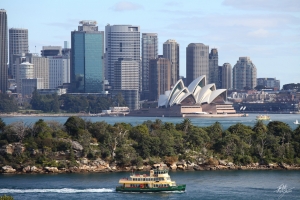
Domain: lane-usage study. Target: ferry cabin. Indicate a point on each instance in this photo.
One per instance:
(156, 179)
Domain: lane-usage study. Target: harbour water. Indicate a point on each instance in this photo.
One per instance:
(203, 122)
(200, 185)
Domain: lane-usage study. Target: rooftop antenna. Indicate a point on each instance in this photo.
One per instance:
(34, 49)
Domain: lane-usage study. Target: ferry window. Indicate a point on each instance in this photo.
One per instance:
(144, 179)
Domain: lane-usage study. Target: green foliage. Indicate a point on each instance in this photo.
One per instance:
(7, 104)
(4, 197)
(151, 142)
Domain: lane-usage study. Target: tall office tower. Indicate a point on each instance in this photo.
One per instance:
(244, 74)
(149, 51)
(51, 51)
(3, 51)
(225, 72)
(159, 77)
(59, 71)
(171, 52)
(18, 44)
(126, 74)
(196, 62)
(121, 41)
(214, 68)
(41, 67)
(87, 70)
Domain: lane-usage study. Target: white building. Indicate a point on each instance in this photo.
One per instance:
(24, 71)
(59, 71)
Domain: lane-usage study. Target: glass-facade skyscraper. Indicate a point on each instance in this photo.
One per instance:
(87, 70)
(3, 51)
(121, 41)
(149, 51)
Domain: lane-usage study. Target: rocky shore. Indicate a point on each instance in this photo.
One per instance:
(100, 166)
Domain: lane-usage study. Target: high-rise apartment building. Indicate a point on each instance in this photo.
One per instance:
(87, 70)
(214, 67)
(159, 77)
(59, 71)
(121, 41)
(244, 74)
(18, 44)
(197, 61)
(171, 52)
(225, 76)
(149, 51)
(51, 51)
(3, 51)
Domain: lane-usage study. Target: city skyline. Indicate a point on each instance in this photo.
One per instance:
(265, 31)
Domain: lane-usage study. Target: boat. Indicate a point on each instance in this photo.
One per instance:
(157, 181)
(296, 122)
(263, 117)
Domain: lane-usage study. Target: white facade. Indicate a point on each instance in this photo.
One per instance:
(24, 70)
(59, 71)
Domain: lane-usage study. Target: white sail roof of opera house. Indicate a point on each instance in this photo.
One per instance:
(197, 92)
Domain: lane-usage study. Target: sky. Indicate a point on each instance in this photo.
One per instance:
(267, 31)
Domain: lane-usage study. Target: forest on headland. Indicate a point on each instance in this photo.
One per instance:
(82, 144)
(65, 103)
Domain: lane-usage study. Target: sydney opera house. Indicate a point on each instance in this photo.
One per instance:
(199, 99)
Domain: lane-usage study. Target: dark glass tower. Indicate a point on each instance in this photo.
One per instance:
(87, 70)
(3, 51)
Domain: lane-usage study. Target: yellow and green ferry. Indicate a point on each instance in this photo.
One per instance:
(157, 181)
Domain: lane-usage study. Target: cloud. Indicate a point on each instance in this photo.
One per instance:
(269, 5)
(259, 33)
(126, 6)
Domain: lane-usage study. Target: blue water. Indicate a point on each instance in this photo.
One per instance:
(200, 185)
(203, 122)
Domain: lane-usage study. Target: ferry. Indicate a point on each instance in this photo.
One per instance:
(263, 117)
(157, 181)
(296, 122)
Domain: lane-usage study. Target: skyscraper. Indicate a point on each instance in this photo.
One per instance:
(149, 51)
(59, 71)
(225, 72)
(171, 52)
(127, 74)
(3, 51)
(121, 41)
(87, 58)
(214, 67)
(41, 67)
(18, 44)
(197, 61)
(159, 77)
(244, 74)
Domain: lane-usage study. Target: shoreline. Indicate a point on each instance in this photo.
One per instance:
(113, 169)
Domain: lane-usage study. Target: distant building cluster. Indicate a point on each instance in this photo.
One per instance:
(118, 59)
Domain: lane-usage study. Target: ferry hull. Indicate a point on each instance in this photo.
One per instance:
(180, 188)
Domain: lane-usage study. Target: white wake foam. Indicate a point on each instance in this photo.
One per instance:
(63, 190)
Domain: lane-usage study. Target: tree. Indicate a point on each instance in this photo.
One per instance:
(260, 136)
(74, 124)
